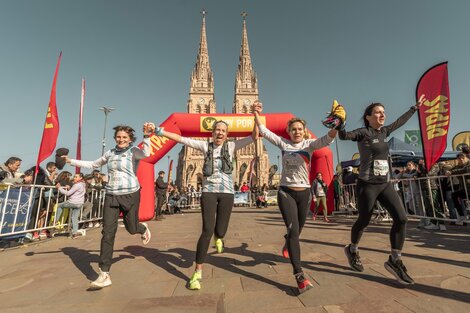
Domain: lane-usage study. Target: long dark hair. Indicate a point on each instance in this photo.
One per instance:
(368, 111)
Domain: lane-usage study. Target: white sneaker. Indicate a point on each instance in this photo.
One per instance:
(102, 281)
(97, 224)
(90, 225)
(431, 227)
(147, 235)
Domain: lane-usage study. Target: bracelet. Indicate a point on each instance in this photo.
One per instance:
(159, 131)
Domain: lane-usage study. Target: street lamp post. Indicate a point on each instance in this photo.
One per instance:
(106, 111)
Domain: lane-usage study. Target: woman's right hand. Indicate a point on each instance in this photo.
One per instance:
(67, 159)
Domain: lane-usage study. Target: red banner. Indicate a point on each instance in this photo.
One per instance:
(51, 126)
(434, 114)
(80, 120)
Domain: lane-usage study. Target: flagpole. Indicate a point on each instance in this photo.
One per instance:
(106, 111)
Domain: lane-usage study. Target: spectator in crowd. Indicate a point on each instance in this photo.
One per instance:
(349, 182)
(161, 189)
(462, 169)
(51, 174)
(413, 192)
(9, 171)
(446, 185)
(75, 200)
(28, 177)
(65, 179)
(432, 198)
(466, 150)
(319, 192)
(338, 191)
(218, 194)
(122, 193)
(244, 187)
(262, 197)
(294, 196)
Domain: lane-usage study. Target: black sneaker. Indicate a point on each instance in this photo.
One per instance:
(354, 259)
(398, 270)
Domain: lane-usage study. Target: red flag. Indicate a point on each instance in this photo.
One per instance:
(170, 168)
(51, 126)
(434, 114)
(80, 120)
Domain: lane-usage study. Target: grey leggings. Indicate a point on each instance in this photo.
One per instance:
(216, 209)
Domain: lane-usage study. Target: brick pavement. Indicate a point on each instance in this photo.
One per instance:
(250, 276)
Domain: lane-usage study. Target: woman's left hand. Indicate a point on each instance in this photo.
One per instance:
(421, 101)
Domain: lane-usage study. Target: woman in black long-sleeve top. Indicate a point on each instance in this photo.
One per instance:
(374, 184)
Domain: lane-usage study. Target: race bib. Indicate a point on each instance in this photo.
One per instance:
(115, 178)
(380, 167)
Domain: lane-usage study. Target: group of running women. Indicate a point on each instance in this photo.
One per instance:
(294, 195)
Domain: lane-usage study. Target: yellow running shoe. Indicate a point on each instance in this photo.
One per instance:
(195, 281)
(219, 245)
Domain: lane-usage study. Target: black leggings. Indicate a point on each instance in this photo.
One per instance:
(367, 195)
(216, 209)
(294, 206)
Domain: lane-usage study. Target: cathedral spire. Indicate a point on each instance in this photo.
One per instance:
(246, 83)
(201, 91)
(201, 77)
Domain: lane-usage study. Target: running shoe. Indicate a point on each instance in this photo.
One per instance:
(103, 280)
(303, 284)
(219, 245)
(354, 259)
(195, 282)
(398, 270)
(147, 235)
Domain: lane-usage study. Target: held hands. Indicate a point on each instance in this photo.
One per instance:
(336, 119)
(257, 107)
(148, 128)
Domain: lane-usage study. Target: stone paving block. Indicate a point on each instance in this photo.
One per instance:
(254, 302)
(377, 290)
(434, 305)
(365, 305)
(201, 303)
(282, 282)
(214, 285)
(330, 294)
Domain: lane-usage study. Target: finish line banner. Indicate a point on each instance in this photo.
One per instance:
(235, 123)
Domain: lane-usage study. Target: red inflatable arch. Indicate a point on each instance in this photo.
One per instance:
(199, 125)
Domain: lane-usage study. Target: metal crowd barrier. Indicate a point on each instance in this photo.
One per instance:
(192, 200)
(432, 197)
(31, 208)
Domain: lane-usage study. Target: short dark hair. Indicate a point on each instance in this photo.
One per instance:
(161, 172)
(12, 160)
(129, 130)
(466, 149)
(49, 164)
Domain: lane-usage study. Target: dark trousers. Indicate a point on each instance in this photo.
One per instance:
(129, 206)
(294, 206)
(367, 195)
(458, 196)
(160, 200)
(216, 209)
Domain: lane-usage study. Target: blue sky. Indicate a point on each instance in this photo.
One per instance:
(137, 56)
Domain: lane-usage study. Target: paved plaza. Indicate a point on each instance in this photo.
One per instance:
(250, 276)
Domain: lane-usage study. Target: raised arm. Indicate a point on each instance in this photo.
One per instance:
(405, 117)
(148, 129)
(263, 130)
